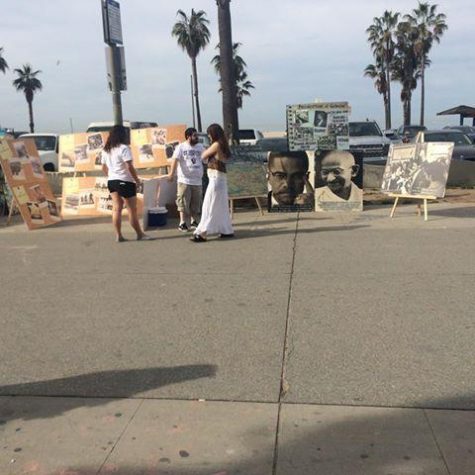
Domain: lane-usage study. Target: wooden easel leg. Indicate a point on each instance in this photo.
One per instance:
(419, 212)
(259, 206)
(425, 209)
(393, 210)
(10, 212)
(231, 207)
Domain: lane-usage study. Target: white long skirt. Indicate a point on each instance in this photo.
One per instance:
(215, 216)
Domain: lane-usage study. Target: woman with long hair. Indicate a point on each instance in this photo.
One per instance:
(122, 180)
(215, 216)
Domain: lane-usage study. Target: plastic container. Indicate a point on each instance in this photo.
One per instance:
(157, 217)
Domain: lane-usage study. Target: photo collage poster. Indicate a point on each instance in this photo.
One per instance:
(89, 196)
(153, 147)
(150, 148)
(289, 181)
(318, 126)
(338, 181)
(81, 152)
(28, 183)
(418, 170)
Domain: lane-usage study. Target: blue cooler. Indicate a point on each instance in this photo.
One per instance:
(157, 217)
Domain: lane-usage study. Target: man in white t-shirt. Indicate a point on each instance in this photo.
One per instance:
(337, 170)
(188, 166)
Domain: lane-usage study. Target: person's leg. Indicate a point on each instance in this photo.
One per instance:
(131, 204)
(195, 204)
(117, 206)
(181, 202)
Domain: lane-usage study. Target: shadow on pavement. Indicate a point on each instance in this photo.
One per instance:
(90, 388)
(456, 212)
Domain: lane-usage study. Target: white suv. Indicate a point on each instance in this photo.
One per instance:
(366, 137)
(47, 146)
(249, 136)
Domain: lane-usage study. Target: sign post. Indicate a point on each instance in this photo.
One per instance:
(115, 56)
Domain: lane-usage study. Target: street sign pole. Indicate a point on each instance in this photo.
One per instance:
(115, 58)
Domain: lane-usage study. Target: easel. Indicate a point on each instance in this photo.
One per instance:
(412, 197)
(11, 210)
(231, 202)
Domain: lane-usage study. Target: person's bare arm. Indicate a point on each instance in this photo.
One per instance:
(171, 175)
(105, 170)
(210, 151)
(133, 172)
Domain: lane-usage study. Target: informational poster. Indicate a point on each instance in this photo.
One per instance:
(24, 175)
(318, 126)
(81, 152)
(246, 172)
(150, 148)
(419, 170)
(289, 182)
(338, 181)
(89, 196)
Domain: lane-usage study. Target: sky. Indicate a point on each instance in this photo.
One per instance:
(297, 51)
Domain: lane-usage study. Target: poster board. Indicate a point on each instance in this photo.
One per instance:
(81, 152)
(89, 196)
(289, 182)
(27, 180)
(418, 170)
(246, 172)
(150, 148)
(318, 126)
(338, 181)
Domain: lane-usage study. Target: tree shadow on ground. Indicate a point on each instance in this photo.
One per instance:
(87, 390)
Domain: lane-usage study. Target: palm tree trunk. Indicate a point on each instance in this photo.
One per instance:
(423, 90)
(228, 81)
(388, 88)
(30, 111)
(195, 93)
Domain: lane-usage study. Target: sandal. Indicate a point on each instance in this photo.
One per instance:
(225, 236)
(198, 238)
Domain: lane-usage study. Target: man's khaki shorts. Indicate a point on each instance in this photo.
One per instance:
(188, 199)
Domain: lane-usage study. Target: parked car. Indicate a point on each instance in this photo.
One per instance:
(366, 138)
(47, 146)
(408, 133)
(392, 135)
(273, 144)
(204, 139)
(464, 148)
(466, 129)
(249, 136)
(106, 126)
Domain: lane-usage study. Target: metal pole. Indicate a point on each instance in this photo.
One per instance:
(114, 67)
(71, 124)
(192, 102)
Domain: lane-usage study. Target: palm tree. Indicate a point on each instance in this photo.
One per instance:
(378, 73)
(3, 62)
(28, 83)
(405, 65)
(243, 84)
(381, 36)
(228, 80)
(431, 27)
(192, 36)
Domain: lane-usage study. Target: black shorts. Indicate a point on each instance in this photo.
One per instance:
(126, 189)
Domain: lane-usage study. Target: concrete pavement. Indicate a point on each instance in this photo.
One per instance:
(309, 344)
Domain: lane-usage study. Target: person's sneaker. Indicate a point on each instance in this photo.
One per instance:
(193, 224)
(183, 228)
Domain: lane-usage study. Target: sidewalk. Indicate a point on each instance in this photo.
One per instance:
(307, 345)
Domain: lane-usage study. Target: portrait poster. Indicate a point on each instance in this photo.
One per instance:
(338, 181)
(89, 196)
(153, 147)
(27, 181)
(419, 170)
(246, 172)
(318, 126)
(289, 182)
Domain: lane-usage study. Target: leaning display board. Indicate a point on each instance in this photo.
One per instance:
(89, 196)
(318, 126)
(27, 180)
(246, 172)
(418, 170)
(150, 148)
(338, 181)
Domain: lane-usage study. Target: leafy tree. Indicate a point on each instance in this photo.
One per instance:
(192, 35)
(29, 84)
(228, 80)
(243, 84)
(430, 26)
(3, 62)
(381, 36)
